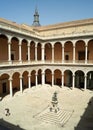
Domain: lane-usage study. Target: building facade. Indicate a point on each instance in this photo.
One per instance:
(60, 54)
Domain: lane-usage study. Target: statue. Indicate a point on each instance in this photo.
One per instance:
(54, 103)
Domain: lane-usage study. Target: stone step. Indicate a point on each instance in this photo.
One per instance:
(59, 118)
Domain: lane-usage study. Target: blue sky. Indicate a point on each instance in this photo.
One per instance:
(50, 11)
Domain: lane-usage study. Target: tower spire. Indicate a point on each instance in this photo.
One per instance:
(36, 18)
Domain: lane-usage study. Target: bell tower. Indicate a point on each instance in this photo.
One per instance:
(36, 18)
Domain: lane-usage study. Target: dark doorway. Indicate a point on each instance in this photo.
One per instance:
(12, 56)
(4, 87)
(58, 81)
(81, 55)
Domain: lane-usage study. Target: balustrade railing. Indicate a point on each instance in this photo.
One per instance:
(26, 62)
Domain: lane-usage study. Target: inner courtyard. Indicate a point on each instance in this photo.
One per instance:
(25, 108)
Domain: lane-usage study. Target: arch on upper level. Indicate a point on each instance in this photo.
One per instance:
(48, 52)
(32, 50)
(90, 50)
(68, 51)
(14, 48)
(39, 51)
(80, 50)
(58, 51)
(3, 47)
(24, 50)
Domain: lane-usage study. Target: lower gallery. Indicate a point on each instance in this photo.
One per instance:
(58, 54)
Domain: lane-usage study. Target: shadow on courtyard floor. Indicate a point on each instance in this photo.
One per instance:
(86, 121)
(8, 126)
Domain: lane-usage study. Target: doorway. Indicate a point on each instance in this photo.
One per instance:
(4, 87)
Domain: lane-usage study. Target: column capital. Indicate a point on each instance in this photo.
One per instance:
(28, 44)
(43, 73)
(29, 75)
(9, 39)
(85, 75)
(28, 41)
(86, 45)
(9, 43)
(73, 75)
(20, 76)
(43, 47)
(52, 73)
(20, 42)
(10, 79)
(52, 46)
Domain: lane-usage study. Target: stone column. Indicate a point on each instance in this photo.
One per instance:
(9, 52)
(85, 82)
(21, 87)
(29, 81)
(62, 54)
(36, 79)
(74, 54)
(62, 80)
(86, 54)
(28, 52)
(52, 79)
(43, 53)
(35, 52)
(53, 53)
(43, 78)
(73, 85)
(10, 84)
(20, 52)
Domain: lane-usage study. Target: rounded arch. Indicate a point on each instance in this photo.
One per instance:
(68, 50)
(39, 76)
(90, 50)
(3, 36)
(80, 50)
(79, 79)
(4, 84)
(48, 76)
(39, 51)
(57, 77)
(33, 78)
(32, 50)
(25, 79)
(68, 78)
(58, 51)
(48, 51)
(3, 47)
(16, 81)
(90, 80)
(24, 50)
(14, 48)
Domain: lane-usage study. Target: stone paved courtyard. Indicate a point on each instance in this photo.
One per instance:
(23, 108)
